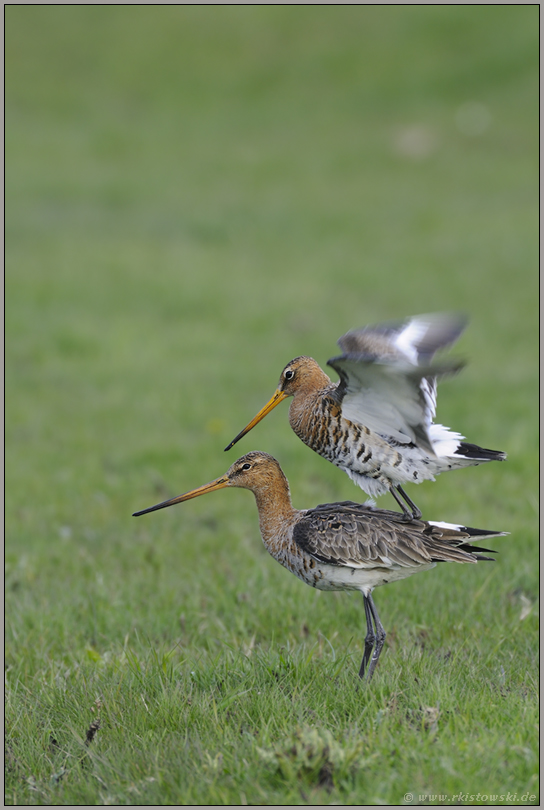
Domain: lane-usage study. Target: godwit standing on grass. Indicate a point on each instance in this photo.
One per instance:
(376, 424)
(342, 546)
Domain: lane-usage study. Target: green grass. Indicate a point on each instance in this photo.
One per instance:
(195, 195)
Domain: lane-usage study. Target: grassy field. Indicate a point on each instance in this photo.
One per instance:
(195, 195)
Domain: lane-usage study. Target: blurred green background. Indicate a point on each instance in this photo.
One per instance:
(194, 196)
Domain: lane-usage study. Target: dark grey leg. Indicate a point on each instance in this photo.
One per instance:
(370, 639)
(416, 513)
(380, 636)
(406, 515)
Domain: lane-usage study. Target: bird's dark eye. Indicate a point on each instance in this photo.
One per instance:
(289, 374)
(246, 466)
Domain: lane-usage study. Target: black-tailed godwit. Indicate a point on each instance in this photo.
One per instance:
(342, 546)
(376, 424)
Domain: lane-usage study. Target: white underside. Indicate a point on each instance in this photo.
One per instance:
(341, 578)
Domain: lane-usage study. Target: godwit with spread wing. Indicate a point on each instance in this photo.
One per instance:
(342, 546)
(376, 424)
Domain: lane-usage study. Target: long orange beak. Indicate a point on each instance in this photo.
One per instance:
(219, 483)
(278, 397)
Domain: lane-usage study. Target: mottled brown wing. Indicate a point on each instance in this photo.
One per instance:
(361, 536)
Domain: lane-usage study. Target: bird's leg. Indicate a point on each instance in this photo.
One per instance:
(370, 638)
(380, 636)
(407, 516)
(416, 513)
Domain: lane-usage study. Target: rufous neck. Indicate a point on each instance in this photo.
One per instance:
(275, 507)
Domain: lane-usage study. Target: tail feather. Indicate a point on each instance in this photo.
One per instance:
(465, 544)
(475, 535)
(472, 451)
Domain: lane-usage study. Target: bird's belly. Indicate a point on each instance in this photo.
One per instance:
(384, 465)
(345, 578)
(327, 577)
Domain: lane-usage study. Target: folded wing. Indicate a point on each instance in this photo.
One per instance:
(358, 536)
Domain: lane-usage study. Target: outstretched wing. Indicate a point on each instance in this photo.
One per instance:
(388, 380)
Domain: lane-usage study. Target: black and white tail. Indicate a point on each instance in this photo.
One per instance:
(472, 451)
(463, 537)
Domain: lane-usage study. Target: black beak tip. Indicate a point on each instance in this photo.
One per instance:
(141, 512)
